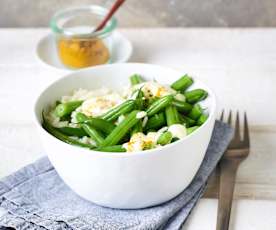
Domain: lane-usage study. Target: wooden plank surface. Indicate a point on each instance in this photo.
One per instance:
(240, 70)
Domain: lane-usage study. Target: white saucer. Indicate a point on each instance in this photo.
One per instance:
(46, 51)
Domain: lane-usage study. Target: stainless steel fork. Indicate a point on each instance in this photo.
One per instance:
(237, 151)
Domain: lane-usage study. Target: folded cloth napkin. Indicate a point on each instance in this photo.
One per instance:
(36, 198)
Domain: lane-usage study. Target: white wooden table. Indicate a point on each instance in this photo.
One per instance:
(239, 64)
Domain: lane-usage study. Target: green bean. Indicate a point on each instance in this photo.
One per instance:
(202, 119)
(182, 83)
(191, 129)
(64, 109)
(165, 138)
(171, 115)
(195, 95)
(156, 121)
(159, 105)
(66, 118)
(121, 109)
(58, 102)
(125, 139)
(188, 121)
(150, 101)
(182, 106)
(113, 148)
(70, 131)
(135, 79)
(137, 128)
(175, 139)
(140, 93)
(196, 112)
(93, 133)
(56, 133)
(98, 123)
(151, 130)
(139, 100)
(122, 129)
(81, 118)
(101, 125)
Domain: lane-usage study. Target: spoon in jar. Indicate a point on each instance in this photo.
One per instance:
(111, 12)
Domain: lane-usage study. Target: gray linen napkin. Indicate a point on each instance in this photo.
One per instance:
(36, 198)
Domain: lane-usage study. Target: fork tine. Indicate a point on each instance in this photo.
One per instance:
(246, 139)
(229, 121)
(237, 135)
(222, 115)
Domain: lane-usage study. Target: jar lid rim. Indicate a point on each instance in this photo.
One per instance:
(94, 9)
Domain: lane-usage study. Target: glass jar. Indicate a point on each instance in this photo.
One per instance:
(77, 46)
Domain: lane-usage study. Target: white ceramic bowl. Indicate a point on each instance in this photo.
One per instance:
(125, 180)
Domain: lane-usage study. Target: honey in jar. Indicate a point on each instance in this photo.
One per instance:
(80, 53)
(78, 45)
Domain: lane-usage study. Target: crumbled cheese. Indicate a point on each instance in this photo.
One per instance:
(97, 106)
(140, 141)
(153, 89)
(136, 143)
(127, 92)
(134, 95)
(120, 119)
(55, 121)
(153, 136)
(178, 130)
(162, 130)
(84, 94)
(73, 125)
(145, 120)
(87, 140)
(73, 117)
(141, 114)
(180, 97)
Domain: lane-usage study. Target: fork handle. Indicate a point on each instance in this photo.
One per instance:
(228, 171)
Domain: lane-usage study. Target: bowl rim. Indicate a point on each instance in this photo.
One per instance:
(38, 124)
